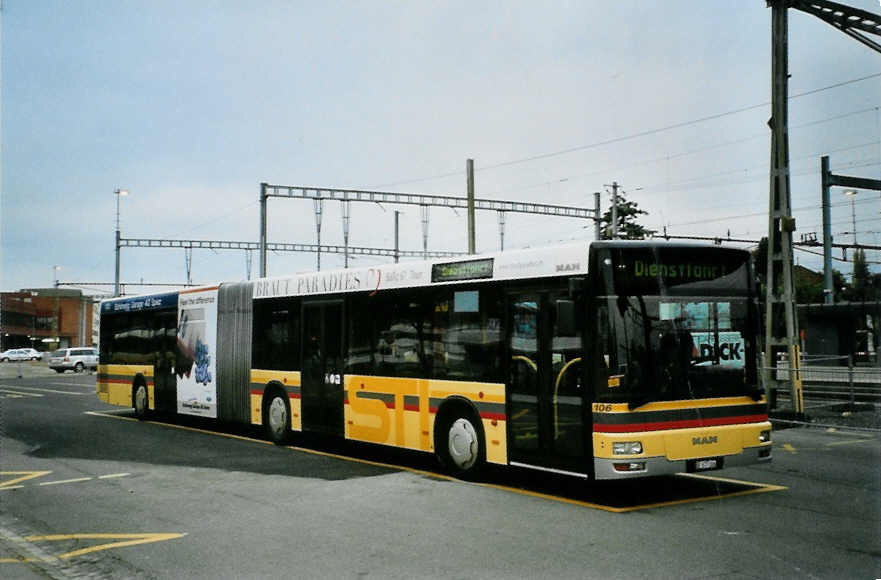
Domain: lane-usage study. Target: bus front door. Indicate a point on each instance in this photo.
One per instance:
(322, 374)
(545, 394)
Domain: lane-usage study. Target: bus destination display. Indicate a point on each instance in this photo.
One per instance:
(457, 271)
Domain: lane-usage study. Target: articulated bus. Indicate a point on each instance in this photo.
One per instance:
(602, 360)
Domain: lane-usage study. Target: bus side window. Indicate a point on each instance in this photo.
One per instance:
(524, 346)
(605, 356)
(362, 338)
(276, 334)
(403, 331)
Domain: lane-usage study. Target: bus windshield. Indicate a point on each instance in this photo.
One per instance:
(675, 326)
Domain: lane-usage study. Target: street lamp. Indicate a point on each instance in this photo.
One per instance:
(118, 193)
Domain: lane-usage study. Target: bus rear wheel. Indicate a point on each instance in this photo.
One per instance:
(459, 444)
(140, 401)
(277, 418)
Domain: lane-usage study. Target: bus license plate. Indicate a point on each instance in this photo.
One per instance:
(707, 464)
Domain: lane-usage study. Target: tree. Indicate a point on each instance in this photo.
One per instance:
(760, 262)
(628, 228)
(862, 278)
(840, 287)
(809, 286)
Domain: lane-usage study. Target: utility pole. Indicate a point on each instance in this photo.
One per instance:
(780, 322)
(596, 212)
(614, 187)
(828, 291)
(319, 206)
(263, 198)
(469, 169)
(347, 209)
(424, 211)
(501, 216)
(119, 193)
(188, 258)
(397, 247)
(828, 181)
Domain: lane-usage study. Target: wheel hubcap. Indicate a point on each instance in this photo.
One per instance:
(462, 443)
(141, 400)
(278, 416)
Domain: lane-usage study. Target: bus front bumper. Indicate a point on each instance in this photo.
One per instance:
(624, 468)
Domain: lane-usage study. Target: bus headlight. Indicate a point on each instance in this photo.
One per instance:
(627, 447)
(765, 436)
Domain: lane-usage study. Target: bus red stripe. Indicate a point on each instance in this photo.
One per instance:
(125, 381)
(634, 427)
(496, 416)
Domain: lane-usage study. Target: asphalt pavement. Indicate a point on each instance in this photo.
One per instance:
(88, 491)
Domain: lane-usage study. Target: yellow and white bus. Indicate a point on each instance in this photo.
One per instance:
(600, 360)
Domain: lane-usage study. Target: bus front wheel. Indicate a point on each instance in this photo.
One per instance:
(459, 443)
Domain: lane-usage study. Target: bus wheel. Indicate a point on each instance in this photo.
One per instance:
(277, 418)
(459, 444)
(140, 401)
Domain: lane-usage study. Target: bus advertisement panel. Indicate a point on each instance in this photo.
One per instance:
(197, 343)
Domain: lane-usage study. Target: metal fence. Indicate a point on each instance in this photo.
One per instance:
(834, 377)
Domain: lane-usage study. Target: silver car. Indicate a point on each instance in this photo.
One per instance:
(74, 359)
(19, 354)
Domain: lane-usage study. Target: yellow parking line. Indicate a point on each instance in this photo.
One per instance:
(850, 442)
(728, 480)
(126, 540)
(25, 475)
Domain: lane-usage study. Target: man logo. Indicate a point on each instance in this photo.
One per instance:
(569, 267)
(704, 440)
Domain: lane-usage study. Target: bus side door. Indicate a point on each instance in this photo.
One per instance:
(322, 374)
(546, 397)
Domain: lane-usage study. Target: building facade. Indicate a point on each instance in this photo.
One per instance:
(46, 319)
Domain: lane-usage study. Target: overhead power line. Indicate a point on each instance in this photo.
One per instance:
(680, 154)
(633, 135)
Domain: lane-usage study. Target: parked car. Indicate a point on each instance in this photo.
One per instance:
(74, 359)
(19, 354)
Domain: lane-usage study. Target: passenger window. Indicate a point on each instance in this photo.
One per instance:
(467, 335)
(524, 345)
(404, 332)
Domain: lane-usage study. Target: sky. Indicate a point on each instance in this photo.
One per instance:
(189, 106)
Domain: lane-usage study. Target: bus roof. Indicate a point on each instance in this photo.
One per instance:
(570, 259)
